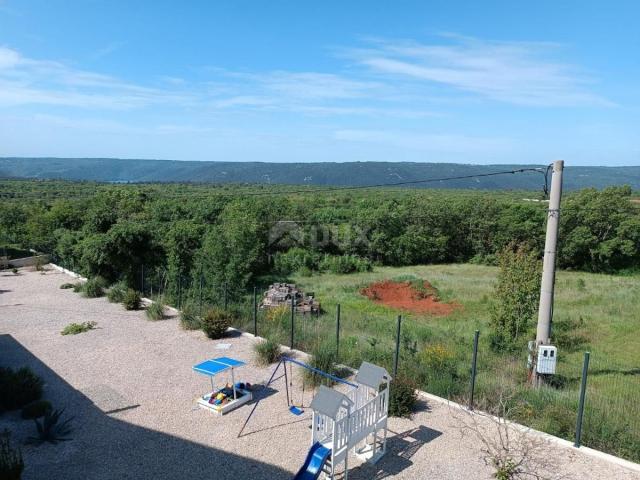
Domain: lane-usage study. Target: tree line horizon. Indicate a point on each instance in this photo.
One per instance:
(114, 231)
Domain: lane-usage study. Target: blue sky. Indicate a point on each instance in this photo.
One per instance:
(454, 81)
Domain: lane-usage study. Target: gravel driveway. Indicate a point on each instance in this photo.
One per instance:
(130, 388)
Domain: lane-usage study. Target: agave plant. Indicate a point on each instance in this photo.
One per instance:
(51, 429)
(11, 464)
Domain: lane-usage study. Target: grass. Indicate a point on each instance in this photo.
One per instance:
(267, 352)
(189, 317)
(131, 300)
(94, 287)
(322, 358)
(116, 292)
(76, 328)
(155, 311)
(594, 312)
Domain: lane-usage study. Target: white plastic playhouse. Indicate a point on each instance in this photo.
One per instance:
(355, 421)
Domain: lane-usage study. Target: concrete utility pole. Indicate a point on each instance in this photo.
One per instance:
(545, 311)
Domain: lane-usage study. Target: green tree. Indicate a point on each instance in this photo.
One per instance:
(234, 250)
(599, 230)
(517, 294)
(182, 241)
(12, 220)
(121, 252)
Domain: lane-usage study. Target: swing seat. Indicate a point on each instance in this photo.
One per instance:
(295, 410)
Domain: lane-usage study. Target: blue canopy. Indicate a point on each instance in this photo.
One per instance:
(217, 365)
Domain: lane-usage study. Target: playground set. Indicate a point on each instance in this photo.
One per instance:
(232, 395)
(341, 422)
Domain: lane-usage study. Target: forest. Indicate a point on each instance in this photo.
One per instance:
(233, 234)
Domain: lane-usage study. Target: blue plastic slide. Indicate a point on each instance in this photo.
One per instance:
(312, 467)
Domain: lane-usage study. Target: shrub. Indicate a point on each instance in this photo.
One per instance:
(267, 352)
(116, 292)
(11, 463)
(35, 409)
(189, 318)
(66, 286)
(323, 358)
(78, 287)
(51, 429)
(278, 314)
(94, 287)
(39, 265)
(517, 294)
(14, 270)
(306, 262)
(155, 311)
(402, 397)
(19, 387)
(215, 323)
(131, 300)
(341, 264)
(75, 328)
(305, 272)
(438, 359)
(296, 259)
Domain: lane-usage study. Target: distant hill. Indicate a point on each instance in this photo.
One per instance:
(349, 173)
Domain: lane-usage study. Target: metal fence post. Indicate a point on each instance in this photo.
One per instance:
(255, 311)
(583, 392)
(397, 357)
(293, 314)
(474, 364)
(337, 332)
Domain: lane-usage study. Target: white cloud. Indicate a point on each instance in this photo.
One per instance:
(312, 85)
(313, 93)
(8, 58)
(244, 101)
(514, 72)
(391, 84)
(25, 81)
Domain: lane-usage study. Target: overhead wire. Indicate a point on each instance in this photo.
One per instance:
(317, 190)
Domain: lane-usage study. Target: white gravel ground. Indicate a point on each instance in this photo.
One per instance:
(130, 387)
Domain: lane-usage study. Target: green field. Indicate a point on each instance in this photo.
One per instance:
(593, 312)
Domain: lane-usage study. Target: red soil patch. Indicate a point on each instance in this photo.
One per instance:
(405, 296)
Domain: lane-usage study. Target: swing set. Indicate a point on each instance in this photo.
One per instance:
(294, 409)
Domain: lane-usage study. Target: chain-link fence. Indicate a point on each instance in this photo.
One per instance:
(459, 366)
(612, 405)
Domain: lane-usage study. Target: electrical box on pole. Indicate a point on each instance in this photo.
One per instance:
(547, 360)
(545, 311)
